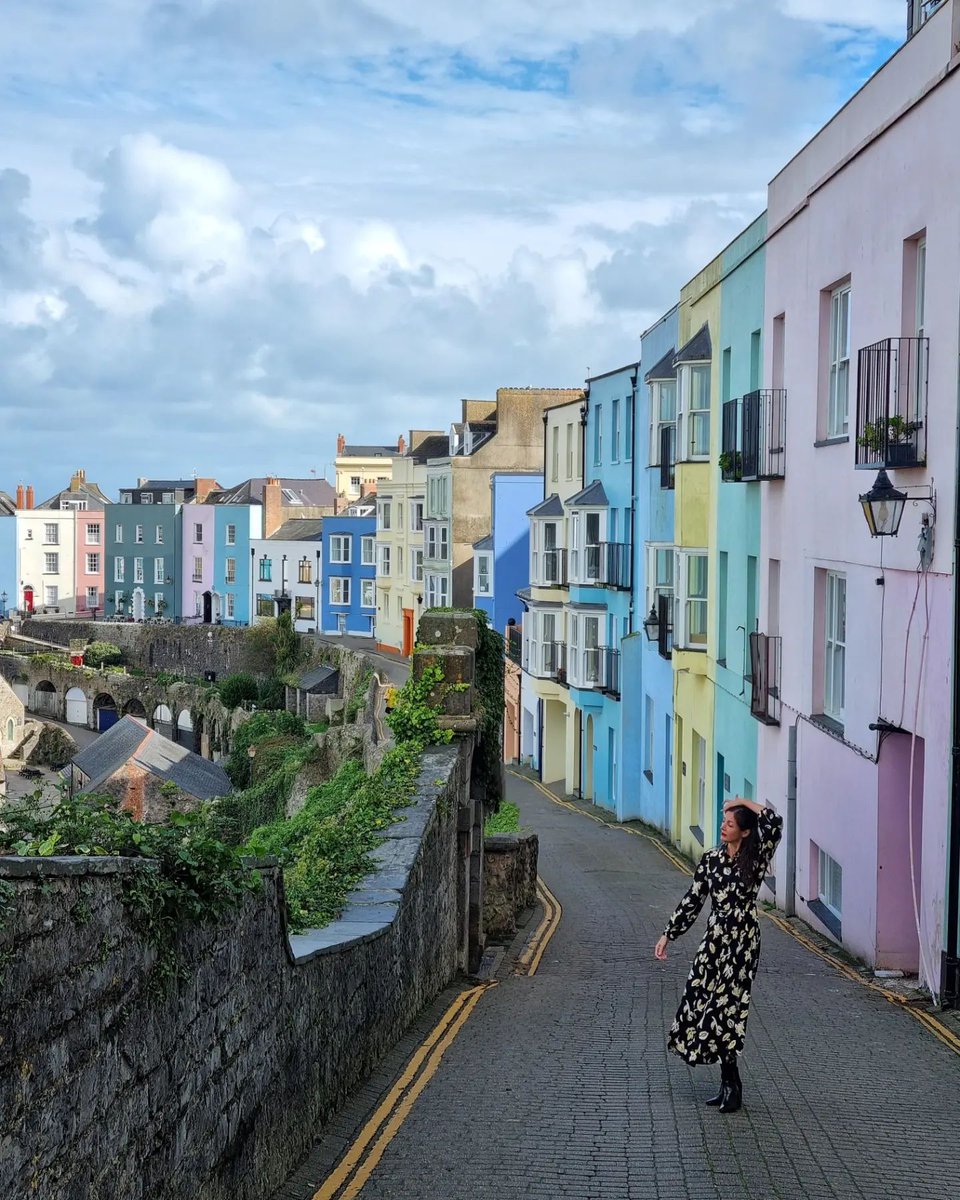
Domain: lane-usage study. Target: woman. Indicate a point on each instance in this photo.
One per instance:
(711, 1021)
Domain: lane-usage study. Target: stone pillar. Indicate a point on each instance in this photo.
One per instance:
(449, 640)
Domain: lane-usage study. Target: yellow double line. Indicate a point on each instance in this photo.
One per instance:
(355, 1168)
(529, 959)
(930, 1023)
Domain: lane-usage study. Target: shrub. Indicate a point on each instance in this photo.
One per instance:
(238, 688)
(272, 694)
(102, 654)
(55, 748)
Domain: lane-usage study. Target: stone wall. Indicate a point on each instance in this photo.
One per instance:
(108, 1093)
(510, 878)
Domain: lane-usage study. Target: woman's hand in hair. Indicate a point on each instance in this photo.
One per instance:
(742, 802)
(660, 950)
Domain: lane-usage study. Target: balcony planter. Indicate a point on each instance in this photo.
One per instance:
(891, 439)
(731, 466)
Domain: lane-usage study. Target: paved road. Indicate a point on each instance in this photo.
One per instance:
(560, 1085)
(395, 668)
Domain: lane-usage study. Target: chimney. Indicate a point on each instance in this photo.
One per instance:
(76, 479)
(21, 502)
(141, 481)
(401, 445)
(203, 489)
(272, 506)
(30, 497)
(341, 444)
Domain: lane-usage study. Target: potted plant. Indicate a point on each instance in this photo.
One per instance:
(891, 438)
(731, 465)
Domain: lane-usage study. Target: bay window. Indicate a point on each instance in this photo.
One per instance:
(693, 442)
(690, 612)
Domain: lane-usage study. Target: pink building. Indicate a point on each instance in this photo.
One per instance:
(862, 310)
(91, 535)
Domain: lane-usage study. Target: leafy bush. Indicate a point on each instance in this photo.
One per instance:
(238, 688)
(272, 694)
(261, 726)
(102, 654)
(55, 748)
(505, 820)
(192, 876)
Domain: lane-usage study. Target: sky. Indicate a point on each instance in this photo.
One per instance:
(230, 230)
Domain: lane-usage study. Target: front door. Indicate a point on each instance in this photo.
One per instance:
(28, 600)
(207, 608)
(407, 632)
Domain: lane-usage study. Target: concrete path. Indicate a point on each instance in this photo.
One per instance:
(560, 1084)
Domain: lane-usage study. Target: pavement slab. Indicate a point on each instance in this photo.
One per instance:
(560, 1084)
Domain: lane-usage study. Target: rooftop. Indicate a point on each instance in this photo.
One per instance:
(299, 529)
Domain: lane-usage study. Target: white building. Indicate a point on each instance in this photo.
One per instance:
(287, 574)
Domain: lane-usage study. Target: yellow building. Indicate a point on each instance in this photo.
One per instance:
(360, 469)
(400, 502)
(697, 451)
(550, 733)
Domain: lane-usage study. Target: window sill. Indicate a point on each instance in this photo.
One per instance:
(827, 723)
(697, 833)
(826, 917)
(832, 441)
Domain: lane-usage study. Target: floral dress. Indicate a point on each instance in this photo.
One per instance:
(711, 1021)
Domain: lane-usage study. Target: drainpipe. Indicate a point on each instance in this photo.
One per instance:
(950, 965)
(790, 902)
(545, 456)
(633, 499)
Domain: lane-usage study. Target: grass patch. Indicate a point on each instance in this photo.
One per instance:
(505, 820)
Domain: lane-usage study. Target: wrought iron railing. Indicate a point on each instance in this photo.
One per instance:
(610, 671)
(765, 678)
(554, 567)
(892, 403)
(608, 564)
(729, 449)
(515, 644)
(763, 434)
(668, 456)
(665, 625)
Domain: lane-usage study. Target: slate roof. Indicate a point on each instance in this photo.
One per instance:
(698, 349)
(299, 529)
(664, 369)
(316, 677)
(86, 491)
(310, 493)
(8, 506)
(551, 507)
(128, 739)
(368, 452)
(170, 485)
(435, 446)
(485, 543)
(592, 496)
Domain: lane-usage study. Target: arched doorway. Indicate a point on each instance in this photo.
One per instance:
(105, 711)
(185, 733)
(139, 604)
(134, 708)
(163, 721)
(45, 699)
(588, 759)
(76, 707)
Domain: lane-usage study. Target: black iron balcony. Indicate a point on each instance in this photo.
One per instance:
(668, 456)
(763, 434)
(610, 671)
(665, 626)
(555, 661)
(729, 450)
(608, 564)
(554, 568)
(515, 644)
(765, 678)
(892, 403)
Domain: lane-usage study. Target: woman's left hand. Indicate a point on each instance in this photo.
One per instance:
(742, 802)
(660, 950)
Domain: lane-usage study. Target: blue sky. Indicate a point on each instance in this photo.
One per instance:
(231, 230)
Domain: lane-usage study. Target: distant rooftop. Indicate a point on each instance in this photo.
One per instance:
(305, 493)
(299, 529)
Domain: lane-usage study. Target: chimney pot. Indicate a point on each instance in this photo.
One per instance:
(401, 445)
(21, 496)
(30, 496)
(341, 444)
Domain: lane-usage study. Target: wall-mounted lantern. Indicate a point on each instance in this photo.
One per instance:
(883, 507)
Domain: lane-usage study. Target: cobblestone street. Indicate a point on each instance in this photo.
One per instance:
(560, 1084)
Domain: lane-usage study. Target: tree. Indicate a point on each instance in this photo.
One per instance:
(286, 645)
(235, 689)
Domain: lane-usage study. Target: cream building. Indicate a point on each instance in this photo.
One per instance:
(400, 506)
(548, 713)
(361, 469)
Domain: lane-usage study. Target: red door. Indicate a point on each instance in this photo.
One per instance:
(407, 632)
(28, 600)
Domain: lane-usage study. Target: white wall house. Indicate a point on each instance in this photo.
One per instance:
(287, 572)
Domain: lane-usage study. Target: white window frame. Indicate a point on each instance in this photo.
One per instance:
(302, 602)
(93, 597)
(118, 534)
(436, 590)
(658, 421)
(119, 570)
(93, 563)
(368, 593)
(146, 497)
(416, 564)
(90, 538)
(51, 533)
(158, 537)
(690, 609)
(138, 535)
(197, 576)
(157, 606)
(231, 535)
(483, 573)
(416, 516)
(568, 450)
(197, 531)
(368, 551)
(138, 570)
(699, 755)
(659, 580)
(340, 589)
(555, 453)
(838, 379)
(384, 516)
(159, 572)
(615, 429)
(341, 548)
(51, 595)
(230, 605)
(51, 562)
(835, 644)
(165, 498)
(384, 559)
(920, 309)
(598, 436)
(693, 421)
(230, 570)
(830, 883)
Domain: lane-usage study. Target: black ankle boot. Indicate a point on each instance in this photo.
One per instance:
(732, 1099)
(717, 1100)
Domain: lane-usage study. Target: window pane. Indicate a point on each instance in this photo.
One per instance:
(668, 400)
(699, 388)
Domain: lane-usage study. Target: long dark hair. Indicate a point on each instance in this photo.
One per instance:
(748, 856)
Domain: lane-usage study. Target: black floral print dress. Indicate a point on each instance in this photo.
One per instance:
(711, 1021)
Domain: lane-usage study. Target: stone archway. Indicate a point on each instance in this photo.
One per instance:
(104, 711)
(185, 733)
(46, 699)
(163, 721)
(76, 707)
(134, 708)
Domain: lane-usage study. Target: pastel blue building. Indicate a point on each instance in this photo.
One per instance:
(348, 596)
(646, 667)
(235, 527)
(600, 614)
(501, 560)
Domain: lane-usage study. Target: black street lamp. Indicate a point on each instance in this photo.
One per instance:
(651, 626)
(883, 507)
